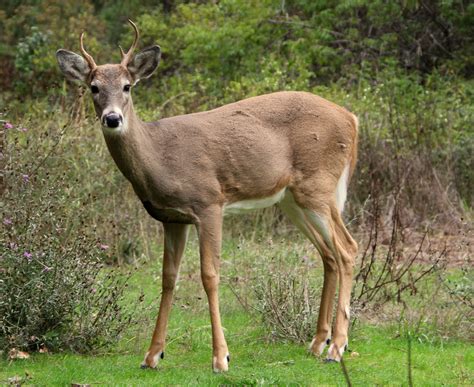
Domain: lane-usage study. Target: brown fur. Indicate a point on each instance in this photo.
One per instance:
(245, 150)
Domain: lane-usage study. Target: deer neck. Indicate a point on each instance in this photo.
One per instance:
(128, 147)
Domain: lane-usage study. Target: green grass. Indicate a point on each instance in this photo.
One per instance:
(382, 349)
(382, 360)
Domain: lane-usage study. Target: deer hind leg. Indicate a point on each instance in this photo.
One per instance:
(210, 234)
(323, 225)
(345, 250)
(175, 242)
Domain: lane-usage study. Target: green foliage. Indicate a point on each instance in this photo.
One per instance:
(29, 59)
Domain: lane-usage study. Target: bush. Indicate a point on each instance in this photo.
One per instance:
(288, 305)
(56, 296)
(286, 295)
(55, 288)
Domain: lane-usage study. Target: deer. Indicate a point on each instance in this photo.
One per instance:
(291, 148)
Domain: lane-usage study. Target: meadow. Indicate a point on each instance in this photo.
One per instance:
(378, 350)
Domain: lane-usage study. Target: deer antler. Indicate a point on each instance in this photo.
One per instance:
(126, 57)
(88, 57)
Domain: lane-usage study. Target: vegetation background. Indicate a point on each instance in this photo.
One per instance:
(405, 67)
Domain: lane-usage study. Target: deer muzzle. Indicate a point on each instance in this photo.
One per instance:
(112, 120)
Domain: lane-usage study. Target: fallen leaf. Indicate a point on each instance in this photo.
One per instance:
(15, 380)
(16, 354)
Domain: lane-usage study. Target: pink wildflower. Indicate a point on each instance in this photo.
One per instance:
(104, 247)
(7, 125)
(27, 255)
(7, 222)
(26, 178)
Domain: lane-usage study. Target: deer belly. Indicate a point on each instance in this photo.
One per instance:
(252, 204)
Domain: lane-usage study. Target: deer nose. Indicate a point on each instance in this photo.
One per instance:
(113, 120)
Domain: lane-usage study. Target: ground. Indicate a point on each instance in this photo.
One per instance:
(378, 352)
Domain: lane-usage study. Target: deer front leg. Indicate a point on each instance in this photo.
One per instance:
(175, 242)
(210, 234)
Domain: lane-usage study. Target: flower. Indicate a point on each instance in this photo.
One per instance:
(46, 269)
(28, 255)
(23, 129)
(104, 247)
(7, 222)
(26, 178)
(13, 246)
(7, 125)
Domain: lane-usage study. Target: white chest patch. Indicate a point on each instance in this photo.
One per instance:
(247, 205)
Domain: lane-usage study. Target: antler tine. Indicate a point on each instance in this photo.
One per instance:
(88, 57)
(126, 57)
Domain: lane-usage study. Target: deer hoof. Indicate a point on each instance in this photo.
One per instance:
(220, 365)
(335, 352)
(151, 361)
(317, 347)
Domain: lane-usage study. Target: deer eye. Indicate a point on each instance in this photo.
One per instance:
(126, 88)
(94, 89)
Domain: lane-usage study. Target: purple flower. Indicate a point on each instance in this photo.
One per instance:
(46, 269)
(26, 178)
(7, 222)
(28, 255)
(23, 129)
(7, 125)
(104, 247)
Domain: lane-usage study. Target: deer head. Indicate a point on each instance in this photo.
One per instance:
(111, 84)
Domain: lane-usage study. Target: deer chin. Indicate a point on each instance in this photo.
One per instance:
(119, 130)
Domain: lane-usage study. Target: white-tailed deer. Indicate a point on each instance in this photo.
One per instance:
(291, 148)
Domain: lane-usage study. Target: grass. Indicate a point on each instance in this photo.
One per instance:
(382, 350)
(382, 360)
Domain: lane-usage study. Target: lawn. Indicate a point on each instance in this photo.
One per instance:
(378, 352)
(382, 360)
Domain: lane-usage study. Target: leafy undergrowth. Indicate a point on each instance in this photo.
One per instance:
(379, 352)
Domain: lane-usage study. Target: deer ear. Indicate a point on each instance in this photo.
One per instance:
(144, 63)
(73, 66)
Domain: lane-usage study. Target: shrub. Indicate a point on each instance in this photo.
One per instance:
(286, 295)
(55, 288)
(288, 305)
(57, 296)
